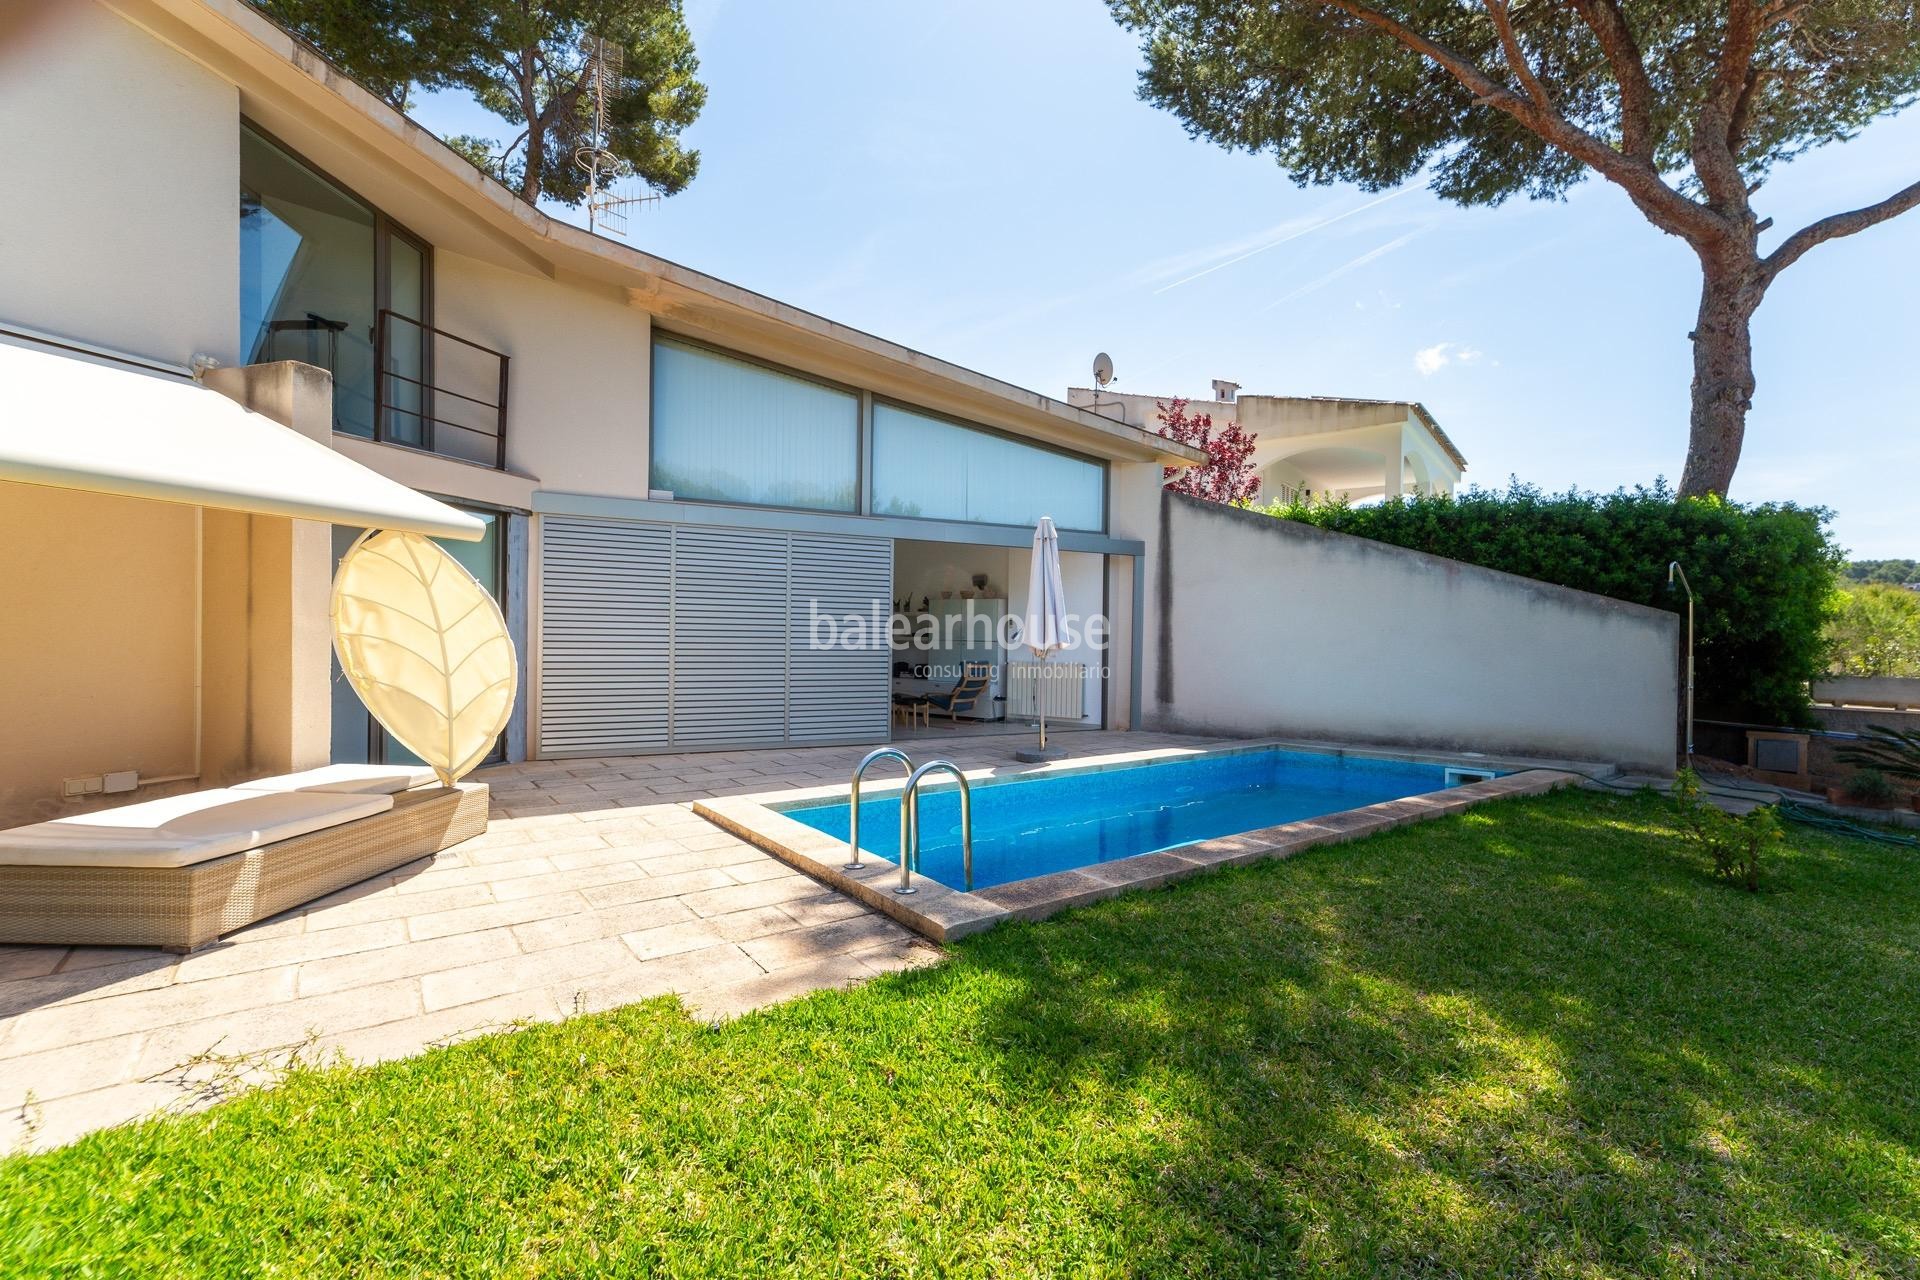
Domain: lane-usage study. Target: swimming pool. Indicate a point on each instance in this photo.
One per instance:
(1034, 826)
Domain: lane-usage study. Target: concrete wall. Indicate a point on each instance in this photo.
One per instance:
(119, 216)
(1266, 627)
(1899, 692)
(578, 381)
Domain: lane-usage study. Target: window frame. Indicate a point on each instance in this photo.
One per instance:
(384, 227)
(861, 399)
(1103, 465)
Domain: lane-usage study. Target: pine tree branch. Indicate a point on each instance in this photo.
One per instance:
(1516, 56)
(1664, 207)
(1715, 159)
(1609, 26)
(1836, 226)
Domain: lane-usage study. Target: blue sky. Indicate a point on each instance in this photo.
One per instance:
(981, 182)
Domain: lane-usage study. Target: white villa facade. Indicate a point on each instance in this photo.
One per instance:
(1314, 446)
(674, 472)
(673, 476)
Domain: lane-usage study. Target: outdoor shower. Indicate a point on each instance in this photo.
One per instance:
(1675, 571)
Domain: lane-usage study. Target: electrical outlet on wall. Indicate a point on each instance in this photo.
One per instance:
(125, 780)
(73, 787)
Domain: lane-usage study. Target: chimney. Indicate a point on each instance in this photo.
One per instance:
(1225, 391)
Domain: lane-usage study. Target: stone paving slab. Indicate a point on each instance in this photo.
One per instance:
(595, 885)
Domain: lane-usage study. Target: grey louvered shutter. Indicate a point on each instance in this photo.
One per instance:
(729, 637)
(605, 646)
(840, 694)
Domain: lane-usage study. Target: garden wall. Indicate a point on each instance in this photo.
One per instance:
(1265, 627)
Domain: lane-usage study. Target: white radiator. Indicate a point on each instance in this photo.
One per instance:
(1060, 688)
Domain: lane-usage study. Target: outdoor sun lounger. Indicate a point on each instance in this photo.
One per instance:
(182, 871)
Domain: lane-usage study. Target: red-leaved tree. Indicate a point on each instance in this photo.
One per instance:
(1227, 474)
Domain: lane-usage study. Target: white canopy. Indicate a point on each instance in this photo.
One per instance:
(75, 423)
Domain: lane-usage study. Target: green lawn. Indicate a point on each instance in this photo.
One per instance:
(1536, 1039)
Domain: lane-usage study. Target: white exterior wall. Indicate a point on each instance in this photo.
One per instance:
(577, 402)
(119, 216)
(1266, 627)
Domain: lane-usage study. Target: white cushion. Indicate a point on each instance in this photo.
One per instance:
(178, 831)
(351, 779)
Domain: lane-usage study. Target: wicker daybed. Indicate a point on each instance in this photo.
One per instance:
(183, 871)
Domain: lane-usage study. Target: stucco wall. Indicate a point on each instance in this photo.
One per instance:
(119, 219)
(577, 398)
(1267, 627)
(96, 641)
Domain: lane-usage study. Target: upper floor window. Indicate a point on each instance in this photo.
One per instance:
(728, 430)
(930, 467)
(327, 279)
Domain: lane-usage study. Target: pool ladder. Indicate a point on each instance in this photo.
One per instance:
(910, 815)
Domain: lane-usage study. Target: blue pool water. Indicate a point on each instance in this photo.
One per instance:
(1035, 826)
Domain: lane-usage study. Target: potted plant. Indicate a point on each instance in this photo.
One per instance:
(1893, 753)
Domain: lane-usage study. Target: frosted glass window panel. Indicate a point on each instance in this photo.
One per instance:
(726, 430)
(934, 469)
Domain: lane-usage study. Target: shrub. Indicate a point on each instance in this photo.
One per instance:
(1762, 575)
(1733, 845)
(1870, 786)
(1887, 751)
(1874, 631)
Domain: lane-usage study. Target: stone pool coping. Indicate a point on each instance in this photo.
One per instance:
(944, 914)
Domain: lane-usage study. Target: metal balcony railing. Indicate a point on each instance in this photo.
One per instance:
(439, 392)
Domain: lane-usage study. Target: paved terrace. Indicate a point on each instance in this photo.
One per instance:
(594, 886)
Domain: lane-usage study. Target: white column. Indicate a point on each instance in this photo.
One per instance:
(1394, 481)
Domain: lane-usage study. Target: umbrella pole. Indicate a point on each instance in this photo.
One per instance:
(1040, 686)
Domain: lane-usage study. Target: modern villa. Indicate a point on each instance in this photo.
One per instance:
(711, 549)
(1313, 446)
(670, 470)
(521, 757)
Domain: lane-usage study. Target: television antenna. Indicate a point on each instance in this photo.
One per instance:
(606, 205)
(1102, 369)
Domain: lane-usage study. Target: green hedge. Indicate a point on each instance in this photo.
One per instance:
(1762, 575)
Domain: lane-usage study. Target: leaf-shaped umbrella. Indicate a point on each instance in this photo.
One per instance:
(425, 647)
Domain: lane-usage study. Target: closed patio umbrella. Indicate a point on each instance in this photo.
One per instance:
(1044, 627)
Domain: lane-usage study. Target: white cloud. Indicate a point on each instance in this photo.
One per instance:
(1428, 361)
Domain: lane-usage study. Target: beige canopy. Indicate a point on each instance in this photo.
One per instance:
(74, 422)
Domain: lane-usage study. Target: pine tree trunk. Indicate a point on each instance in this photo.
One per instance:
(1723, 379)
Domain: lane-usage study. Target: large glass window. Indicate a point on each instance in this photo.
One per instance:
(727, 430)
(316, 266)
(928, 467)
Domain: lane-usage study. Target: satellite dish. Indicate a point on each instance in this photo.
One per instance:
(1102, 369)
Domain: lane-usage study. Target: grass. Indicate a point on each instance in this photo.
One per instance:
(1536, 1039)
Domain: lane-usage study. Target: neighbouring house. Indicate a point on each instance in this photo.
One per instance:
(667, 480)
(1314, 446)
